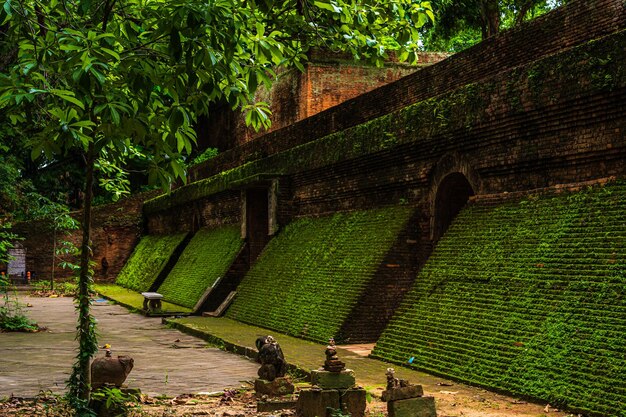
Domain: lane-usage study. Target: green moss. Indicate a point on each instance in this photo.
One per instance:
(207, 257)
(148, 260)
(528, 297)
(132, 299)
(309, 277)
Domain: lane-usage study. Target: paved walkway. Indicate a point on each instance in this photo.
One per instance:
(166, 360)
(453, 399)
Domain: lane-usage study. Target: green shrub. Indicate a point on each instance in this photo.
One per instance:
(525, 296)
(207, 257)
(148, 260)
(64, 288)
(12, 317)
(309, 277)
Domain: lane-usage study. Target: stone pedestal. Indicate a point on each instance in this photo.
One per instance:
(353, 402)
(110, 370)
(277, 387)
(412, 407)
(274, 405)
(333, 380)
(317, 403)
(402, 393)
(323, 402)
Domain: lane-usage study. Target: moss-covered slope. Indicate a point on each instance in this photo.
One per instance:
(207, 257)
(528, 297)
(148, 260)
(309, 277)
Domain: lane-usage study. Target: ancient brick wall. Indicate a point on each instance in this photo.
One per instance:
(115, 231)
(215, 210)
(328, 80)
(563, 28)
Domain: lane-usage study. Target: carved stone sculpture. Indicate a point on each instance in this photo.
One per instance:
(109, 370)
(271, 358)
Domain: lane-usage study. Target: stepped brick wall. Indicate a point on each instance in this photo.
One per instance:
(383, 294)
(557, 120)
(148, 261)
(527, 296)
(310, 277)
(207, 257)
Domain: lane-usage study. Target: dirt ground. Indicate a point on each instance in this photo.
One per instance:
(239, 404)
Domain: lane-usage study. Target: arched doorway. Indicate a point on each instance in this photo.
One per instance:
(453, 193)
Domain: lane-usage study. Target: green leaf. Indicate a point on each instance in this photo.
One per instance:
(112, 53)
(68, 96)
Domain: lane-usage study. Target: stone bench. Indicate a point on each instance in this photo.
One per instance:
(151, 301)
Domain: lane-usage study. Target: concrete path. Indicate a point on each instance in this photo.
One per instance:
(166, 360)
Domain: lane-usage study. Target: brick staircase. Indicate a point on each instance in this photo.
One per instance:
(222, 290)
(525, 296)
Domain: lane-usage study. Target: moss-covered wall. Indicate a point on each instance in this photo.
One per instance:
(148, 260)
(526, 296)
(309, 277)
(207, 257)
(532, 120)
(573, 24)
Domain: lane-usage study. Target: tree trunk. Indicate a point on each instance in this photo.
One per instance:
(490, 15)
(86, 325)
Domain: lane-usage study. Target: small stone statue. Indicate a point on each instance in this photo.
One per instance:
(393, 382)
(271, 358)
(110, 370)
(332, 362)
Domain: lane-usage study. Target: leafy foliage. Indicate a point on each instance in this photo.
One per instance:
(461, 24)
(12, 317)
(309, 277)
(525, 296)
(148, 260)
(205, 156)
(207, 257)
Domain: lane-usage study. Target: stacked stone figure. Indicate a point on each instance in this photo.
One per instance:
(405, 399)
(332, 362)
(333, 389)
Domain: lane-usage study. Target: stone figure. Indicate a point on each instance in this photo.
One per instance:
(110, 370)
(271, 358)
(332, 362)
(393, 382)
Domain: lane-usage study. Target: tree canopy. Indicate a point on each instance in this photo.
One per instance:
(464, 23)
(110, 80)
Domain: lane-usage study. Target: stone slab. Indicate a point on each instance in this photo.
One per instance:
(276, 405)
(353, 402)
(317, 403)
(412, 407)
(402, 393)
(333, 380)
(277, 387)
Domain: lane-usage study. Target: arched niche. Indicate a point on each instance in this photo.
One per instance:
(453, 182)
(453, 193)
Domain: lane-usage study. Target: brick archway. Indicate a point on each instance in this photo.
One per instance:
(453, 182)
